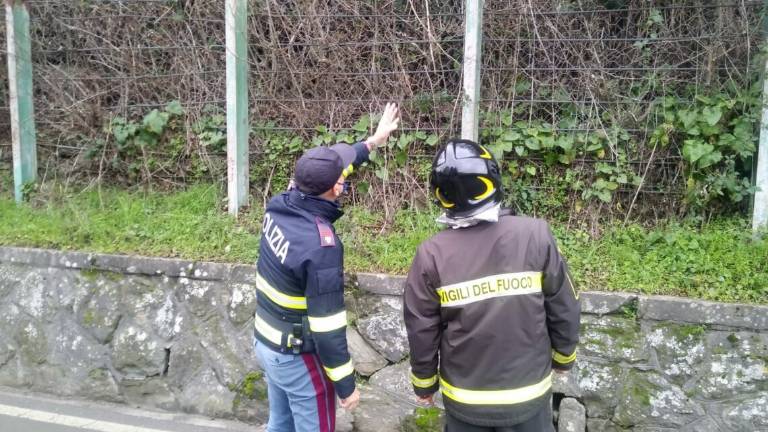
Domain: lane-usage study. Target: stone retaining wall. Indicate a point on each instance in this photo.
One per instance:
(177, 335)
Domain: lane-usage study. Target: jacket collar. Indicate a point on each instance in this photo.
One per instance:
(328, 210)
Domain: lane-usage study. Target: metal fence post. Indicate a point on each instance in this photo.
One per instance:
(473, 35)
(237, 103)
(760, 207)
(760, 200)
(21, 98)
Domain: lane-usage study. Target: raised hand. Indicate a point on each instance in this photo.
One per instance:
(390, 120)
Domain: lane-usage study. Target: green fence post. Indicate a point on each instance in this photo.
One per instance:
(20, 92)
(473, 37)
(237, 103)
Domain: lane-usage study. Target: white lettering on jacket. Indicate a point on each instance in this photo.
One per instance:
(275, 238)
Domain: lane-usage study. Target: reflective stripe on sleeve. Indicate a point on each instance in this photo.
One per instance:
(270, 333)
(488, 287)
(348, 170)
(497, 397)
(329, 323)
(563, 359)
(338, 373)
(284, 300)
(423, 382)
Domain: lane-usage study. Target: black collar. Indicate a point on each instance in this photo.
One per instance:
(328, 210)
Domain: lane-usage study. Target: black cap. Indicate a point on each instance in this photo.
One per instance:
(319, 168)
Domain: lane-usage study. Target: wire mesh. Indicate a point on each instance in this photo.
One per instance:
(330, 62)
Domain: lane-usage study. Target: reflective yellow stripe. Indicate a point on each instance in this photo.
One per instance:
(563, 359)
(423, 383)
(573, 287)
(501, 285)
(337, 373)
(485, 154)
(329, 323)
(348, 170)
(489, 189)
(272, 334)
(497, 397)
(286, 301)
(443, 201)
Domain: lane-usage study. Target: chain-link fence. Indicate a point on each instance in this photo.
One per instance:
(580, 98)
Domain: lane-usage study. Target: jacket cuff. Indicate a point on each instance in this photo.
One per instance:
(562, 361)
(362, 151)
(424, 386)
(344, 387)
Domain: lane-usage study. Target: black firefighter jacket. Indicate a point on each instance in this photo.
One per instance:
(494, 307)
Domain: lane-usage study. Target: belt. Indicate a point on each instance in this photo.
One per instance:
(282, 335)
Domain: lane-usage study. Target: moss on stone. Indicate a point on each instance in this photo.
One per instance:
(642, 394)
(629, 310)
(251, 388)
(423, 420)
(351, 288)
(593, 341)
(97, 374)
(684, 332)
(89, 274)
(89, 317)
(351, 318)
(93, 274)
(33, 344)
(622, 337)
(733, 339)
(639, 388)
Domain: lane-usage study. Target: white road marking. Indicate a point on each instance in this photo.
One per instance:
(71, 421)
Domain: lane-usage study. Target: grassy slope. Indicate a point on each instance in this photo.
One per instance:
(719, 262)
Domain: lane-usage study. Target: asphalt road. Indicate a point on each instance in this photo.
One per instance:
(28, 412)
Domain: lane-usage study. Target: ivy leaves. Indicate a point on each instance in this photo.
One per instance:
(533, 143)
(717, 138)
(700, 154)
(131, 136)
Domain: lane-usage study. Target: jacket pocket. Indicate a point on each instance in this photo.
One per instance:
(330, 280)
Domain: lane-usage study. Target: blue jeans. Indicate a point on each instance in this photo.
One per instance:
(301, 398)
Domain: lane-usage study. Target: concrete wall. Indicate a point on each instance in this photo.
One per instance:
(176, 335)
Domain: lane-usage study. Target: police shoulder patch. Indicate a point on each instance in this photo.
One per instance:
(327, 238)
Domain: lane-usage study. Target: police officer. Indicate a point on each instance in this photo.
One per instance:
(300, 320)
(489, 305)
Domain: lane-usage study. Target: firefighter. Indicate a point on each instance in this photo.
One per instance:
(489, 305)
(300, 320)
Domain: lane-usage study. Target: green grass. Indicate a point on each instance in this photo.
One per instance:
(720, 261)
(371, 244)
(185, 224)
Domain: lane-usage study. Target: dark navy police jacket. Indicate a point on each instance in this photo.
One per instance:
(301, 278)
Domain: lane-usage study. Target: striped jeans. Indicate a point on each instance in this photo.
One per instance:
(301, 398)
